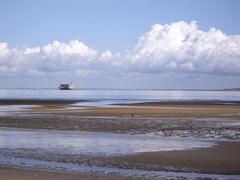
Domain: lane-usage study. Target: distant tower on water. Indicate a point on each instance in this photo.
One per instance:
(66, 86)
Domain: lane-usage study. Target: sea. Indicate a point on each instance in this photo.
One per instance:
(121, 94)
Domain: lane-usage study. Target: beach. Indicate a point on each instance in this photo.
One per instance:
(213, 126)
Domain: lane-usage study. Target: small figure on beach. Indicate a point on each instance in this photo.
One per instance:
(132, 115)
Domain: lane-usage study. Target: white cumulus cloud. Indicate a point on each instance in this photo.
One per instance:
(177, 47)
(184, 47)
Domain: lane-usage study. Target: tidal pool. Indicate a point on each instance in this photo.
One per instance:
(73, 142)
(14, 141)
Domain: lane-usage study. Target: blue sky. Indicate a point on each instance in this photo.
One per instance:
(191, 44)
(107, 24)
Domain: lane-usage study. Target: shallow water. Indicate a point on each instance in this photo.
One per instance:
(70, 142)
(12, 108)
(15, 141)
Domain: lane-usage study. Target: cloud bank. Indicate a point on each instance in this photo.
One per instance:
(178, 47)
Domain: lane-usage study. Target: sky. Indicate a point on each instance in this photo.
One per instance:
(147, 44)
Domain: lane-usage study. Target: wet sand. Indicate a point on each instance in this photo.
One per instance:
(166, 117)
(160, 109)
(173, 109)
(167, 111)
(197, 127)
(196, 109)
(223, 158)
(29, 174)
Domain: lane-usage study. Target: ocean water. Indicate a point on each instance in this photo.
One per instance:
(123, 95)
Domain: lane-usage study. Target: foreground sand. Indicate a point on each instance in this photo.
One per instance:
(29, 174)
(223, 158)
